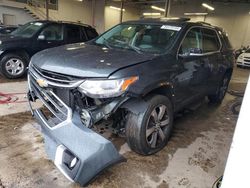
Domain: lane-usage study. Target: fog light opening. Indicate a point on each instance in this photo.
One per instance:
(73, 162)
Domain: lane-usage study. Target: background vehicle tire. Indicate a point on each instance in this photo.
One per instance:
(221, 90)
(148, 132)
(13, 65)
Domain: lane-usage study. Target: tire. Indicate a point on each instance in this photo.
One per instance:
(218, 97)
(13, 66)
(138, 124)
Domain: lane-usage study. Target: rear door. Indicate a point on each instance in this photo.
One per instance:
(91, 33)
(74, 34)
(211, 58)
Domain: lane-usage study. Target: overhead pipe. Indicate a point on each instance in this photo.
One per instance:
(47, 9)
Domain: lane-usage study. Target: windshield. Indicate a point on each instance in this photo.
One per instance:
(140, 38)
(28, 30)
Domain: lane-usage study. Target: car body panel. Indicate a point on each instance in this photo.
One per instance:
(85, 60)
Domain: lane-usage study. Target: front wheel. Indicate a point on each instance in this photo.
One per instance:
(13, 66)
(148, 132)
(221, 90)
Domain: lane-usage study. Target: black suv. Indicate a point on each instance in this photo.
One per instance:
(135, 76)
(17, 48)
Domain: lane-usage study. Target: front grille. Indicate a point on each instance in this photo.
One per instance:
(55, 77)
(55, 110)
(247, 60)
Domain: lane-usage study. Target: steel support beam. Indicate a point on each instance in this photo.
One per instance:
(121, 13)
(47, 9)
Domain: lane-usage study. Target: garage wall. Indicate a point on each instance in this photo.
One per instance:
(21, 17)
(112, 17)
(233, 17)
(74, 11)
(77, 11)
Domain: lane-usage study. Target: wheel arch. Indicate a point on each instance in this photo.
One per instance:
(17, 51)
(139, 104)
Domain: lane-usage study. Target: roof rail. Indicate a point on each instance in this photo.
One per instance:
(205, 23)
(71, 22)
(180, 19)
(177, 19)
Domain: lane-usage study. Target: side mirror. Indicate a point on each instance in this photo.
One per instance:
(195, 52)
(191, 52)
(41, 37)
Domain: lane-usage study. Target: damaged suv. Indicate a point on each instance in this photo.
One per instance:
(135, 76)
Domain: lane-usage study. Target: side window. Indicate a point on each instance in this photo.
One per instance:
(210, 41)
(53, 32)
(91, 32)
(192, 42)
(73, 33)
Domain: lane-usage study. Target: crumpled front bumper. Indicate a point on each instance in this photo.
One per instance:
(78, 152)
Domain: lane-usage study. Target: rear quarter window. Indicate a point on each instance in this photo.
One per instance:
(91, 33)
(226, 41)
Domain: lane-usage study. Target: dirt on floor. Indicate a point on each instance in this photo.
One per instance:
(194, 157)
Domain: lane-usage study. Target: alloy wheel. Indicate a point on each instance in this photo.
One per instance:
(157, 126)
(14, 66)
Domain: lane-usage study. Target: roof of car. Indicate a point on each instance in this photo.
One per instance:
(63, 22)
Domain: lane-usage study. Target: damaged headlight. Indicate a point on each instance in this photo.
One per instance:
(106, 88)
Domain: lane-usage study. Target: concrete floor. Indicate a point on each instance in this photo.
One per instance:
(194, 157)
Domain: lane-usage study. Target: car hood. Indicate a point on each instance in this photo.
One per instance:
(7, 38)
(86, 60)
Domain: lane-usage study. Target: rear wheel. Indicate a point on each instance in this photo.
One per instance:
(13, 65)
(148, 132)
(221, 90)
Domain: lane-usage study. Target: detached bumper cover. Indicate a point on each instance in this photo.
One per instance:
(94, 153)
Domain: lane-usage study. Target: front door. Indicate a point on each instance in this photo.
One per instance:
(190, 83)
(51, 36)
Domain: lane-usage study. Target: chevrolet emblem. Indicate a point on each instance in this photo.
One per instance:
(42, 83)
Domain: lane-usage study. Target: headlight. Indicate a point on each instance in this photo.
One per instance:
(106, 88)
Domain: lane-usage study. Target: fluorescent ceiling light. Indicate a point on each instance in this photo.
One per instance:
(207, 6)
(151, 14)
(170, 18)
(158, 8)
(195, 13)
(116, 8)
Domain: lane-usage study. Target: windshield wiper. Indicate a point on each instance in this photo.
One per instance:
(106, 43)
(135, 49)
